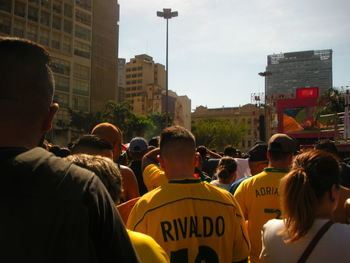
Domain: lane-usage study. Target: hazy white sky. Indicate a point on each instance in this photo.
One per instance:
(217, 47)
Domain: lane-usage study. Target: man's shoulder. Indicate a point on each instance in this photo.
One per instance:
(52, 171)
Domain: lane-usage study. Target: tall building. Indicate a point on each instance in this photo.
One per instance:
(247, 115)
(286, 72)
(145, 81)
(121, 80)
(82, 37)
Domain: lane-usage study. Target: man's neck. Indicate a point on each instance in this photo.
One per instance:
(279, 165)
(179, 175)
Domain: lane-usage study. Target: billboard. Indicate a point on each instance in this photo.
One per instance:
(299, 118)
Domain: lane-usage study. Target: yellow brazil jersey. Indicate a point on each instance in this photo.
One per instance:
(153, 177)
(193, 221)
(259, 201)
(147, 249)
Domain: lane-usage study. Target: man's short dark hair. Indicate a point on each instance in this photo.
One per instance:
(91, 141)
(202, 151)
(174, 136)
(26, 80)
(230, 151)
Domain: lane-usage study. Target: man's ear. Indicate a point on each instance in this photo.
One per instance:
(161, 161)
(334, 193)
(47, 125)
(197, 159)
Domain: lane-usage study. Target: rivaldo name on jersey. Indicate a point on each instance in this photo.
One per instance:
(192, 226)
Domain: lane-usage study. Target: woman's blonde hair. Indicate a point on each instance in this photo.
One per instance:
(312, 175)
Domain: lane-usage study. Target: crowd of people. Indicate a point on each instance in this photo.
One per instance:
(163, 200)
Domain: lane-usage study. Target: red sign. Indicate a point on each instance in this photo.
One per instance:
(303, 93)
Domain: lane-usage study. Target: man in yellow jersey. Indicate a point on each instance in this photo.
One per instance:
(258, 196)
(152, 175)
(192, 220)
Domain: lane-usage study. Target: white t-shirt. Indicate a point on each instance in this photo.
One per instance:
(333, 246)
(243, 169)
(221, 185)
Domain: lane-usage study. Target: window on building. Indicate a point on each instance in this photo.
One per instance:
(44, 37)
(6, 5)
(139, 81)
(81, 87)
(80, 103)
(56, 41)
(32, 32)
(139, 74)
(67, 44)
(56, 22)
(20, 9)
(45, 3)
(139, 68)
(83, 17)
(68, 10)
(60, 66)
(5, 24)
(67, 26)
(57, 6)
(85, 4)
(33, 13)
(61, 83)
(81, 72)
(45, 18)
(62, 99)
(34, 2)
(81, 49)
(82, 33)
(18, 28)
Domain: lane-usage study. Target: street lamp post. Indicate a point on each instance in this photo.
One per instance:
(265, 74)
(167, 14)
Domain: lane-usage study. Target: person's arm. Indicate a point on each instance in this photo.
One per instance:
(213, 155)
(129, 183)
(150, 158)
(107, 231)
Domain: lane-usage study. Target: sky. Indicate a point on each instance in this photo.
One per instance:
(218, 47)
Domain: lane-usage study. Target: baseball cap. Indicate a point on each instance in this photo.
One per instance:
(258, 152)
(280, 142)
(138, 144)
(108, 132)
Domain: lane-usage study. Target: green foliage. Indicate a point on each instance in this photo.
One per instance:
(120, 115)
(217, 133)
(331, 101)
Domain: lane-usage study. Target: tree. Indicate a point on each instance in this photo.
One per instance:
(120, 115)
(217, 133)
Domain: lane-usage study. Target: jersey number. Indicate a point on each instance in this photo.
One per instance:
(273, 211)
(205, 254)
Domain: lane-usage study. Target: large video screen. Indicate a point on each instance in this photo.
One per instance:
(304, 119)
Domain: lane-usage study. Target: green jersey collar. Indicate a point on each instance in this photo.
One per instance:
(185, 181)
(275, 170)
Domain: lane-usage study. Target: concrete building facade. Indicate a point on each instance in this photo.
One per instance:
(82, 37)
(246, 115)
(287, 72)
(145, 81)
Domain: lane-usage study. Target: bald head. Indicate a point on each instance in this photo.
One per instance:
(26, 81)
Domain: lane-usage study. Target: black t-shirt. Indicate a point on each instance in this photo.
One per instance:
(54, 211)
(135, 166)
